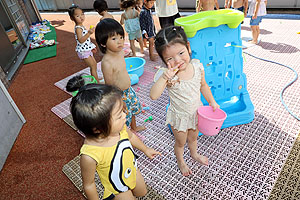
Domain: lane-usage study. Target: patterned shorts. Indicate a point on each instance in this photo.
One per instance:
(133, 106)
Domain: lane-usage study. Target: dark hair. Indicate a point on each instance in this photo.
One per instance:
(127, 3)
(92, 106)
(100, 6)
(107, 28)
(169, 36)
(72, 9)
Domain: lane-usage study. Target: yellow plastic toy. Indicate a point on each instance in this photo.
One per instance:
(91, 26)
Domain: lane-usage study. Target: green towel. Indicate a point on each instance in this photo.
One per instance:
(43, 52)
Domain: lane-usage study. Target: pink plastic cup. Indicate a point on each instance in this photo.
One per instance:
(209, 121)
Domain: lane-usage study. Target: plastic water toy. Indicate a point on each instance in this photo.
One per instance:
(91, 26)
(87, 80)
(134, 79)
(209, 121)
(135, 65)
(149, 119)
(146, 108)
(213, 36)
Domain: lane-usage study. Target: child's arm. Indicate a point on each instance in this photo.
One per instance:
(158, 88)
(137, 143)
(122, 19)
(143, 23)
(245, 7)
(108, 72)
(82, 38)
(228, 3)
(217, 4)
(256, 9)
(160, 85)
(88, 168)
(199, 6)
(205, 90)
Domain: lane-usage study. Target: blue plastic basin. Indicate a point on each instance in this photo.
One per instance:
(135, 65)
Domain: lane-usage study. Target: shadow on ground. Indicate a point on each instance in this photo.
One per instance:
(279, 47)
(262, 31)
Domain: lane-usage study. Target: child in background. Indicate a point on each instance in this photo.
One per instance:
(110, 39)
(84, 48)
(257, 9)
(147, 26)
(139, 5)
(132, 24)
(185, 79)
(97, 111)
(204, 5)
(101, 7)
(241, 5)
(167, 12)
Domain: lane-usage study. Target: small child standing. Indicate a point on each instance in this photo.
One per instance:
(185, 79)
(132, 24)
(97, 111)
(205, 5)
(257, 9)
(101, 7)
(167, 12)
(147, 26)
(241, 5)
(110, 39)
(84, 48)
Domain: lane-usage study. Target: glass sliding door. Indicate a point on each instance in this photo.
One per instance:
(18, 17)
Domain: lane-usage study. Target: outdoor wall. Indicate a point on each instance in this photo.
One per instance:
(114, 4)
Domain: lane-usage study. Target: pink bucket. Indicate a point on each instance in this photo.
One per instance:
(209, 121)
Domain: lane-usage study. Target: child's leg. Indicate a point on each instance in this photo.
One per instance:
(180, 140)
(140, 188)
(145, 42)
(91, 62)
(134, 127)
(132, 47)
(258, 32)
(254, 34)
(141, 44)
(192, 143)
(125, 196)
(151, 49)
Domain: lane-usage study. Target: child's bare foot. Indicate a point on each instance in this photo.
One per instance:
(253, 42)
(201, 159)
(153, 57)
(185, 170)
(138, 128)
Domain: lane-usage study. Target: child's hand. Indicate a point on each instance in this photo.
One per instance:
(94, 50)
(151, 153)
(92, 30)
(170, 74)
(214, 105)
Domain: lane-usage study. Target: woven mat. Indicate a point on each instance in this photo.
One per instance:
(72, 171)
(244, 161)
(287, 185)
